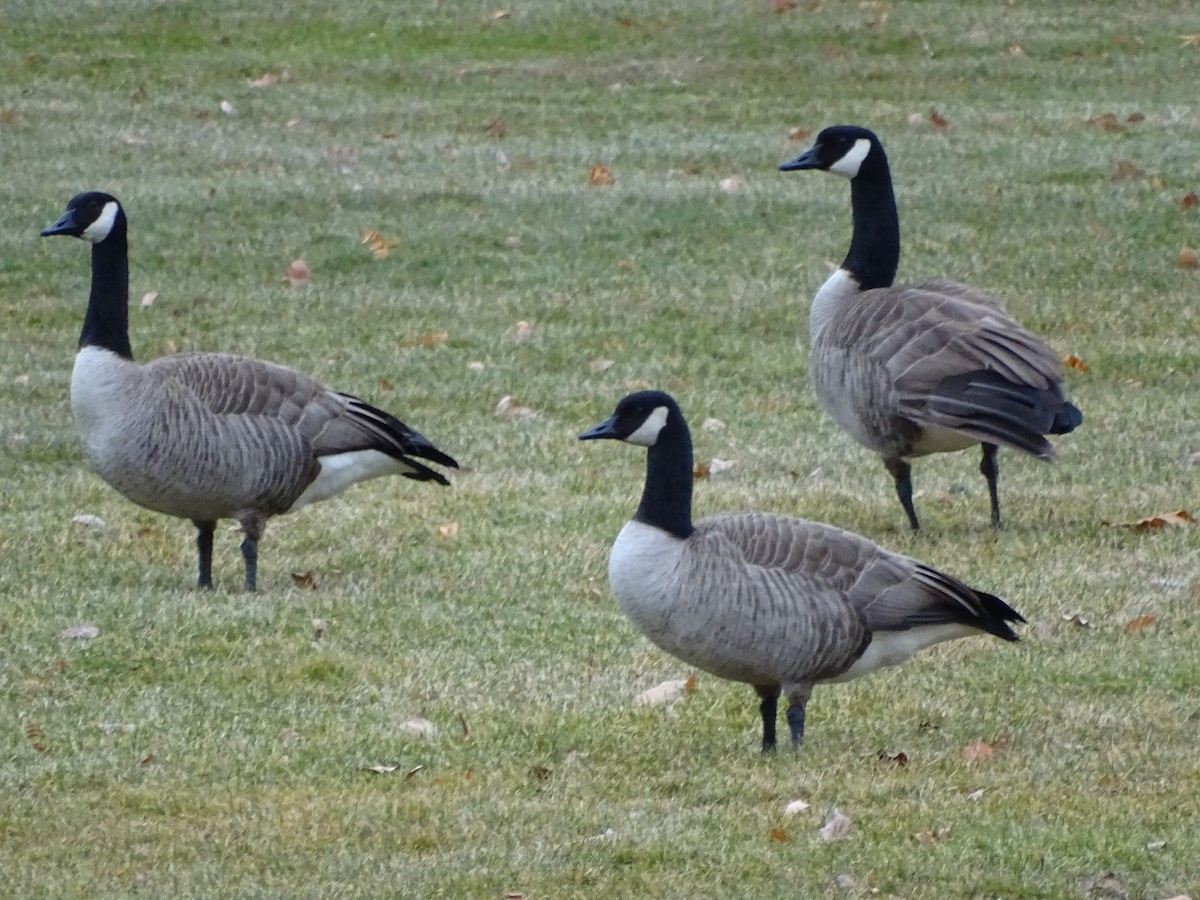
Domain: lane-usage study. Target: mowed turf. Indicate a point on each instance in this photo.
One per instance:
(218, 744)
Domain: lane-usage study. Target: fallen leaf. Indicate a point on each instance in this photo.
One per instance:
(1135, 117)
(717, 466)
(227, 108)
(418, 727)
(938, 121)
(1189, 201)
(385, 385)
(975, 795)
(266, 79)
(689, 686)
(118, 727)
(36, 737)
(778, 835)
(627, 265)
(929, 838)
(380, 246)
(79, 633)
(540, 773)
(148, 759)
(667, 692)
(411, 772)
(1077, 620)
(382, 768)
(305, 580)
(297, 273)
(782, 6)
(798, 134)
(447, 531)
(430, 339)
(89, 521)
(169, 347)
(318, 626)
(521, 332)
(599, 176)
(509, 408)
(795, 808)
(836, 827)
(1126, 171)
(1071, 361)
(599, 364)
(730, 185)
(1105, 122)
(501, 14)
(1141, 622)
(496, 128)
(700, 472)
(976, 751)
(899, 757)
(476, 366)
(148, 299)
(7, 115)
(1178, 518)
(1188, 259)
(1190, 40)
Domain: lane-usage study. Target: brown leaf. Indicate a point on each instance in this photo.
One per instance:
(1190, 40)
(297, 273)
(689, 686)
(836, 827)
(540, 773)
(1188, 259)
(385, 385)
(599, 176)
(938, 121)
(148, 759)
(1077, 620)
(496, 128)
(466, 732)
(700, 472)
(1190, 201)
(627, 265)
(36, 737)
(899, 757)
(447, 532)
(7, 116)
(1162, 520)
(431, 339)
(976, 751)
(1071, 361)
(798, 134)
(779, 836)
(929, 838)
(1135, 117)
(1126, 171)
(266, 79)
(1105, 122)
(305, 580)
(782, 6)
(1135, 625)
(380, 246)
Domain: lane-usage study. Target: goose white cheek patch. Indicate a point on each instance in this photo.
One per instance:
(98, 230)
(647, 432)
(850, 163)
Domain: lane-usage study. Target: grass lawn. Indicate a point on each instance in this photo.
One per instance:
(218, 744)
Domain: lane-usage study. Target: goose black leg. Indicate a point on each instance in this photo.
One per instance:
(204, 545)
(902, 474)
(989, 468)
(769, 707)
(797, 695)
(250, 555)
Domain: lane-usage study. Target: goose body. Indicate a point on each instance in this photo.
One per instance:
(910, 370)
(210, 436)
(776, 602)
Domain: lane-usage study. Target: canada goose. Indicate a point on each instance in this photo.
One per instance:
(207, 436)
(925, 368)
(773, 601)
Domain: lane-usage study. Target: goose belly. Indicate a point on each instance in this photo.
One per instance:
(684, 613)
(857, 395)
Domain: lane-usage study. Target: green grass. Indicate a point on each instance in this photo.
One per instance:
(245, 774)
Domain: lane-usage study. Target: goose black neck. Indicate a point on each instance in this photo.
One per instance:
(875, 247)
(106, 324)
(667, 496)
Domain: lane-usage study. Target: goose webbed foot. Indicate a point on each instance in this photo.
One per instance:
(902, 474)
(768, 707)
(204, 547)
(989, 468)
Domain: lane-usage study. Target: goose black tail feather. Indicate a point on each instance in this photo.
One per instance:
(400, 441)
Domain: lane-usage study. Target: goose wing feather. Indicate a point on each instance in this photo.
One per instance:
(330, 421)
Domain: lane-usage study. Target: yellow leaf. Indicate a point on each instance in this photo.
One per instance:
(305, 580)
(1162, 520)
(380, 246)
(779, 836)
